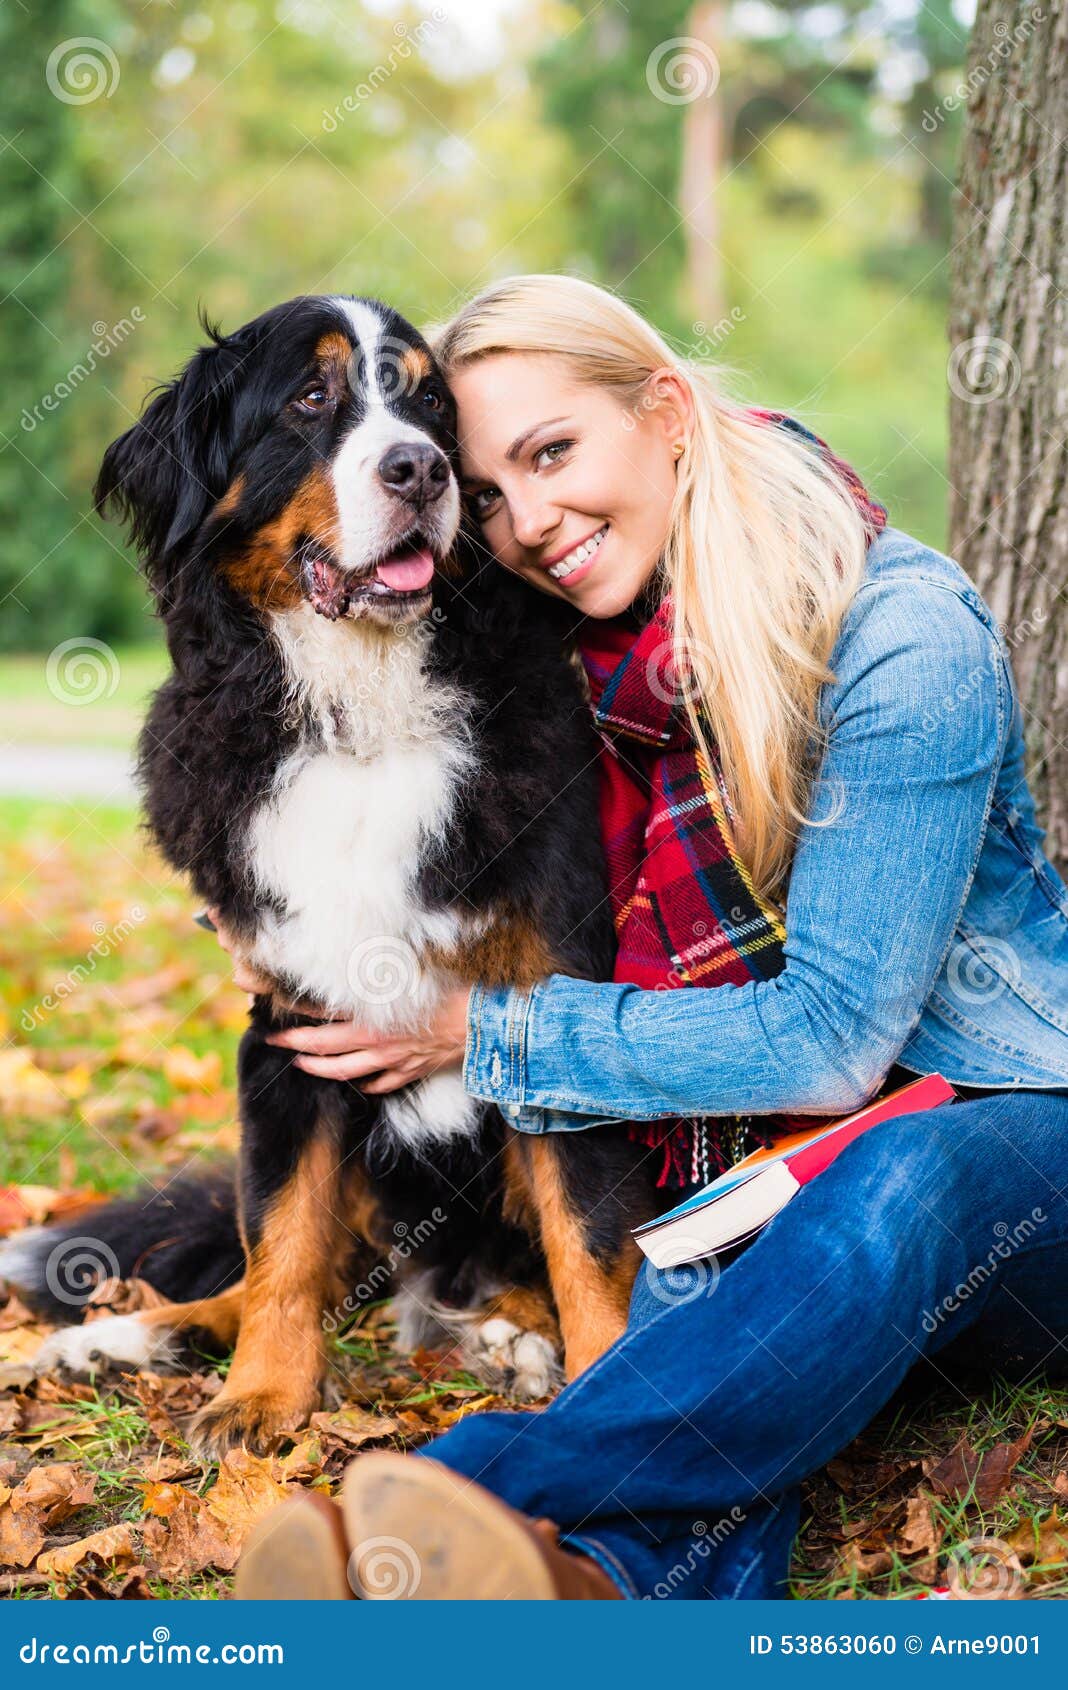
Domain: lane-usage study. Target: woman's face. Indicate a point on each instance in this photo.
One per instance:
(572, 490)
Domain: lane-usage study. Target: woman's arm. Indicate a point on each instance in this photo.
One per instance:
(918, 716)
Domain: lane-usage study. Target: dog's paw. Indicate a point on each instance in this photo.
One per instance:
(119, 1341)
(519, 1364)
(256, 1422)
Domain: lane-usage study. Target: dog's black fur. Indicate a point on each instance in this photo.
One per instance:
(219, 456)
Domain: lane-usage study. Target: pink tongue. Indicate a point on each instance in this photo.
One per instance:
(406, 574)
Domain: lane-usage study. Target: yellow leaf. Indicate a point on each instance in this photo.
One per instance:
(188, 1072)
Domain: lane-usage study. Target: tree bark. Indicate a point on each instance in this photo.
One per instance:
(1008, 366)
(702, 163)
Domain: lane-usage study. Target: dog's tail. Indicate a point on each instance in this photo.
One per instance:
(183, 1240)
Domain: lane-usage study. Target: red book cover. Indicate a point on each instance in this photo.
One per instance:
(924, 1093)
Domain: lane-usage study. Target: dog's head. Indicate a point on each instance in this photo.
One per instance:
(305, 458)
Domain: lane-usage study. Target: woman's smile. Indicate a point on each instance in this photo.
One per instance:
(574, 565)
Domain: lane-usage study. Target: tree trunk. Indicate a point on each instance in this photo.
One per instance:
(1008, 366)
(702, 161)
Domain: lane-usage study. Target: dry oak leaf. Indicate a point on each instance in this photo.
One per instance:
(22, 1536)
(57, 1490)
(1042, 1546)
(114, 1546)
(921, 1533)
(188, 1541)
(352, 1427)
(990, 1473)
(161, 1498)
(248, 1486)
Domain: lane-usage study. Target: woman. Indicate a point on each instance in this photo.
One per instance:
(840, 702)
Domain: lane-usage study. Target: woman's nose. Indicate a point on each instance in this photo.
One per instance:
(533, 522)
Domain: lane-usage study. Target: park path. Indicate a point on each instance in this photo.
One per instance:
(66, 771)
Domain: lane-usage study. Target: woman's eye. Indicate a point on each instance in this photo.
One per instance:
(553, 452)
(484, 500)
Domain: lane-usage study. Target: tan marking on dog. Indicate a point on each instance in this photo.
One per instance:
(592, 1301)
(416, 367)
(333, 351)
(265, 571)
(219, 1316)
(510, 953)
(527, 1306)
(274, 1380)
(231, 498)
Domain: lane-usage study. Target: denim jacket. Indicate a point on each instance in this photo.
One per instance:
(924, 925)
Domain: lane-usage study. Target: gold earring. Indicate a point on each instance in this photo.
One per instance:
(679, 448)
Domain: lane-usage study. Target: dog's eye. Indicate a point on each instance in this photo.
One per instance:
(433, 398)
(316, 399)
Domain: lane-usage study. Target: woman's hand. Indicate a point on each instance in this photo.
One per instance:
(343, 1050)
(248, 979)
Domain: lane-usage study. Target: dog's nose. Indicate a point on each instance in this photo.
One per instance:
(415, 472)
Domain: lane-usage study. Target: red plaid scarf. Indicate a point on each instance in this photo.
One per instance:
(685, 910)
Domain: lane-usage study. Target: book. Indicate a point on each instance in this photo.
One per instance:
(750, 1194)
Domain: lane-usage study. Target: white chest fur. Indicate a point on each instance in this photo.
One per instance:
(336, 847)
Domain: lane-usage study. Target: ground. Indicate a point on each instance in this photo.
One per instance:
(120, 1027)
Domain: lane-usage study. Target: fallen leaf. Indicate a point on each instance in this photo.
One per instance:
(22, 1536)
(57, 1490)
(352, 1427)
(921, 1533)
(247, 1487)
(114, 1546)
(963, 1468)
(186, 1071)
(1042, 1546)
(188, 1542)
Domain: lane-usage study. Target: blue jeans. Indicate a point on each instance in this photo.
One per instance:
(676, 1459)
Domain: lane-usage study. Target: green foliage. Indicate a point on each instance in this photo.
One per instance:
(233, 156)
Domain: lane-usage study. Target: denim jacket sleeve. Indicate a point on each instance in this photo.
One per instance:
(917, 715)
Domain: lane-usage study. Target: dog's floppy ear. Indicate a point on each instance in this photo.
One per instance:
(163, 475)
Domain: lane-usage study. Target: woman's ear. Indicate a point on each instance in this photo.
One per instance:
(668, 404)
(163, 475)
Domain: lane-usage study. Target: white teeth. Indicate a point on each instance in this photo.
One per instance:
(560, 571)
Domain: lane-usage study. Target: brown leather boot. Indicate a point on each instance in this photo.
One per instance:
(415, 1530)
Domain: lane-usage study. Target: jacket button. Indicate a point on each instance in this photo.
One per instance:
(513, 1111)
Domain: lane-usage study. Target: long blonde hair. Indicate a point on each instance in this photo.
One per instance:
(764, 552)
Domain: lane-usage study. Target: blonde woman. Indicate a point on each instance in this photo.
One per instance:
(814, 799)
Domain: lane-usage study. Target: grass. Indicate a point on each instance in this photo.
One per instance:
(99, 702)
(119, 1062)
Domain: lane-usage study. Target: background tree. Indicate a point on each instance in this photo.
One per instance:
(1008, 367)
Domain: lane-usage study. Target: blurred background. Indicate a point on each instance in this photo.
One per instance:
(770, 183)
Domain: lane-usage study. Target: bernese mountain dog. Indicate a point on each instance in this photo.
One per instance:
(375, 756)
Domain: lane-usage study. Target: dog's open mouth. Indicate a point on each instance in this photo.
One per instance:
(403, 575)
